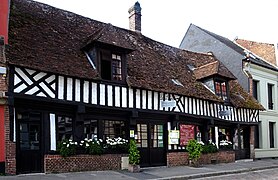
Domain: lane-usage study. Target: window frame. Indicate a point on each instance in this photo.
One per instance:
(270, 95)
(255, 89)
(220, 94)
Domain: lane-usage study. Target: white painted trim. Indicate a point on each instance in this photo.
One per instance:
(69, 89)
(39, 76)
(102, 94)
(61, 87)
(124, 97)
(86, 92)
(94, 93)
(77, 90)
(117, 96)
(52, 132)
(110, 97)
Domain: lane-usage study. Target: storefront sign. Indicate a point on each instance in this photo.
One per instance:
(131, 133)
(225, 113)
(174, 136)
(168, 103)
(187, 132)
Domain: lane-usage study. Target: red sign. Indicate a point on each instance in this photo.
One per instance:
(187, 132)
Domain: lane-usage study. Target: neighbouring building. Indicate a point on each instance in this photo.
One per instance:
(264, 82)
(4, 13)
(73, 77)
(257, 74)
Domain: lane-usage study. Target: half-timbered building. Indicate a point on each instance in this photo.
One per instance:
(73, 77)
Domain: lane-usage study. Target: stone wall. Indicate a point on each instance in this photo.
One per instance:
(58, 164)
(181, 158)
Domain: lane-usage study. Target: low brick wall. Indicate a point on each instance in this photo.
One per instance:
(58, 164)
(181, 158)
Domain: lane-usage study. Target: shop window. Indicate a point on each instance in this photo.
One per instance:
(90, 129)
(114, 129)
(270, 96)
(271, 134)
(156, 135)
(142, 135)
(64, 125)
(225, 138)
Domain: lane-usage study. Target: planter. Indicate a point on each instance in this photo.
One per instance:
(194, 163)
(134, 168)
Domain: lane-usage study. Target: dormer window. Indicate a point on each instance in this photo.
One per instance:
(219, 87)
(109, 63)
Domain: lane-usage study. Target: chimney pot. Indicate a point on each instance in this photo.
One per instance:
(135, 17)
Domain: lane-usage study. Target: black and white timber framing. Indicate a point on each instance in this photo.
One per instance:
(41, 84)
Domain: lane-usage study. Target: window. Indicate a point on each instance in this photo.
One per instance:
(270, 96)
(64, 128)
(257, 135)
(111, 66)
(255, 89)
(271, 134)
(142, 135)
(90, 129)
(114, 129)
(220, 89)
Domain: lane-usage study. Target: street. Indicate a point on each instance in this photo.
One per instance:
(254, 175)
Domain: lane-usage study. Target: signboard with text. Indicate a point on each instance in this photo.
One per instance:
(187, 132)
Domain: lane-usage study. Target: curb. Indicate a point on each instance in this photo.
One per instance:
(195, 176)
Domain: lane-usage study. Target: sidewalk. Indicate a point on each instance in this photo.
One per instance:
(181, 172)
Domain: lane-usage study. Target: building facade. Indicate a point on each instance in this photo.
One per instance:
(72, 77)
(256, 76)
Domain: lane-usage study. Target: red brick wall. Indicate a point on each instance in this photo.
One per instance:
(2, 133)
(4, 12)
(181, 158)
(10, 146)
(58, 164)
(252, 142)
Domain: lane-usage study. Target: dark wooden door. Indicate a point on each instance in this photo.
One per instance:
(243, 151)
(29, 154)
(152, 144)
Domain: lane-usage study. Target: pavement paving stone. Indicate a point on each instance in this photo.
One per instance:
(180, 172)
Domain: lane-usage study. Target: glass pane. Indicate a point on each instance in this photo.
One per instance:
(160, 143)
(144, 143)
(144, 135)
(154, 143)
(144, 127)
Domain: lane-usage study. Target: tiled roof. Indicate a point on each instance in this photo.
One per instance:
(212, 69)
(239, 49)
(264, 50)
(49, 39)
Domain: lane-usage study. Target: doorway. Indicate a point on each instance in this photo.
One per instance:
(151, 142)
(29, 150)
(243, 143)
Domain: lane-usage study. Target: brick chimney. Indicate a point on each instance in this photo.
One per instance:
(135, 17)
(4, 16)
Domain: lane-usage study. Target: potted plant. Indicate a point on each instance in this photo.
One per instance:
(133, 157)
(194, 152)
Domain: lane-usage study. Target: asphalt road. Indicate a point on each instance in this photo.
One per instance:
(268, 174)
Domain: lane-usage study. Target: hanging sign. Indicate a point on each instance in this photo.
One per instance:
(168, 104)
(187, 132)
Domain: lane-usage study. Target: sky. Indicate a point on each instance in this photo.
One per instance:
(167, 21)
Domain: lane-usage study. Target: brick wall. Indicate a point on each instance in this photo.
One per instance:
(181, 158)
(58, 164)
(10, 147)
(252, 142)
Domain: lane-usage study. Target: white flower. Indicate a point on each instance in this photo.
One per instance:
(70, 140)
(82, 141)
(100, 140)
(68, 145)
(201, 142)
(75, 143)
(87, 145)
(86, 139)
(64, 143)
